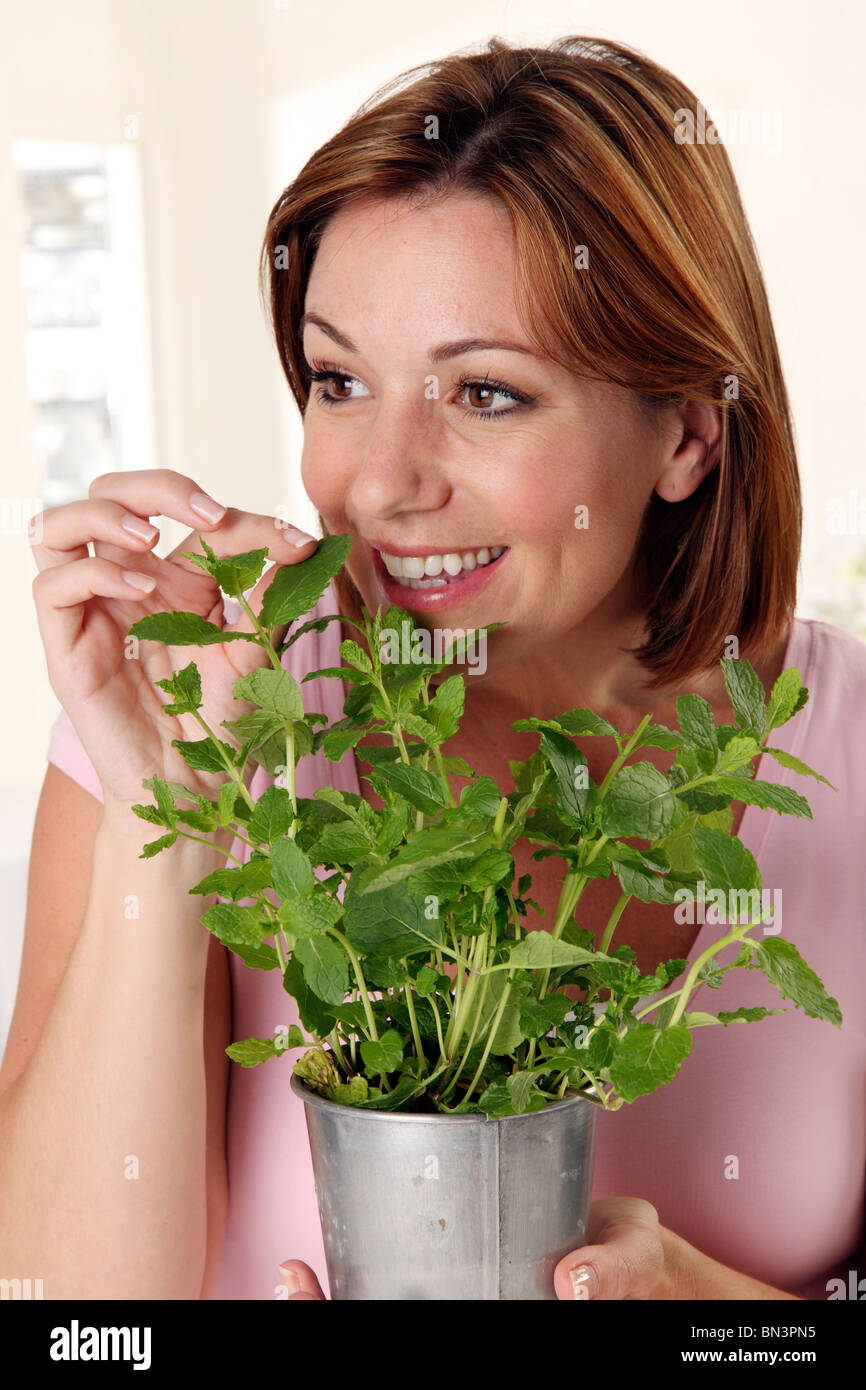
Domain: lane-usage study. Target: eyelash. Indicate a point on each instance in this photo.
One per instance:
(326, 371)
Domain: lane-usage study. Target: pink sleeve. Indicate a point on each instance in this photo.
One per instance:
(65, 751)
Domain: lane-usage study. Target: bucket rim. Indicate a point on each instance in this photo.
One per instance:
(321, 1102)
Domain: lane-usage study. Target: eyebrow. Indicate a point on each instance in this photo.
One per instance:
(442, 353)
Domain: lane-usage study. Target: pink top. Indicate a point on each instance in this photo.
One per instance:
(756, 1151)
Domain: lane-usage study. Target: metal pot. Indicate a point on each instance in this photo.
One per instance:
(449, 1206)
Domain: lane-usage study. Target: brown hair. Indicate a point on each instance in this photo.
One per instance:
(578, 140)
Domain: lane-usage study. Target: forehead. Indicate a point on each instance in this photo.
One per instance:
(454, 249)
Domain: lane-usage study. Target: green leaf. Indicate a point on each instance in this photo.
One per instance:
(738, 750)
(569, 769)
(695, 715)
(252, 1051)
(154, 846)
(337, 742)
(277, 692)
(659, 736)
(524, 1092)
(256, 957)
(352, 1092)
(254, 727)
(308, 916)
(767, 795)
(273, 815)
(182, 629)
(480, 798)
(495, 1100)
(785, 968)
(383, 1056)
(234, 925)
(420, 788)
(538, 1016)
(724, 860)
(295, 589)
(446, 707)
(638, 802)
(226, 798)
(202, 753)
(648, 1057)
(341, 844)
(643, 884)
(354, 655)
(584, 721)
(316, 1016)
(241, 882)
(747, 1015)
(787, 697)
(788, 760)
(539, 951)
(426, 848)
(185, 686)
(292, 871)
(326, 967)
(746, 694)
(390, 922)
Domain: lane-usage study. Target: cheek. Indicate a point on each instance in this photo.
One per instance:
(324, 474)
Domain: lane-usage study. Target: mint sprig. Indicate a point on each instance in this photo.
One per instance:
(421, 979)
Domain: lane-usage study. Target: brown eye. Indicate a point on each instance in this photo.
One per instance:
(483, 395)
(336, 383)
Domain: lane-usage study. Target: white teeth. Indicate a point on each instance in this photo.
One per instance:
(429, 571)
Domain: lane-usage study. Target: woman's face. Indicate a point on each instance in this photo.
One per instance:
(449, 449)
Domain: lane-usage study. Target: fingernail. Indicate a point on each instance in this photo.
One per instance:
(584, 1281)
(205, 506)
(290, 1279)
(139, 581)
(137, 527)
(292, 535)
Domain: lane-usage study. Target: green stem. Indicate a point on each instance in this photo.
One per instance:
(612, 920)
(202, 841)
(737, 934)
(227, 764)
(265, 642)
(410, 1005)
(497, 1017)
(359, 976)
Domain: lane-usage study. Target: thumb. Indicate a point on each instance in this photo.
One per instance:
(626, 1261)
(300, 1281)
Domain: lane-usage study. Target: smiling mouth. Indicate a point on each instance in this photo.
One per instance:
(438, 571)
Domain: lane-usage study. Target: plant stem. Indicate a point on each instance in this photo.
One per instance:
(227, 764)
(359, 976)
(612, 920)
(410, 1005)
(265, 641)
(689, 983)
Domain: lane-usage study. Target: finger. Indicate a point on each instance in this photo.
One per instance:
(65, 531)
(300, 1281)
(60, 593)
(626, 1262)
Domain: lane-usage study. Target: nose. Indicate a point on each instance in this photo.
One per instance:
(403, 464)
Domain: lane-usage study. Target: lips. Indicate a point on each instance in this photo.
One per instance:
(436, 592)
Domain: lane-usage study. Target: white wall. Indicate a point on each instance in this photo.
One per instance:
(231, 96)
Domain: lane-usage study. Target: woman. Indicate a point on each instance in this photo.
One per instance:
(528, 332)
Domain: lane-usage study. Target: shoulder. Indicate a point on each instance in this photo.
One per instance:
(832, 659)
(832, 665)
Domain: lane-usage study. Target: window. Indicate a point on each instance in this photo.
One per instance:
(82, 269)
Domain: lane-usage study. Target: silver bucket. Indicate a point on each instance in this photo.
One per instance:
(449, 1206)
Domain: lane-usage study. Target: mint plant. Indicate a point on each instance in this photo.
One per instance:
(418, 978)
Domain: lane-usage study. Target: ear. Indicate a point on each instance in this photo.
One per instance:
(691, 451)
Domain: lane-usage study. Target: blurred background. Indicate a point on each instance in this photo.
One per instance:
(142, 146)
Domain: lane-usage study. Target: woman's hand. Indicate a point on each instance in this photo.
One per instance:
(300, 1281)
(85, 606)
(625, 1258)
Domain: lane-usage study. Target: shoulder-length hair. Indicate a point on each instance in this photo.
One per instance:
(582, 141)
